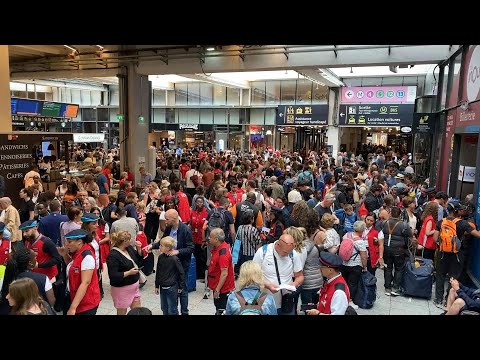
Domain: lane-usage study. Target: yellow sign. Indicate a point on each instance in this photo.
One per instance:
(299, 111)
(351, 120)
(290, 110)
(393, 109)
(383, 110)
(361, 119)
(424, 119)
(308, 109)
(290, 119)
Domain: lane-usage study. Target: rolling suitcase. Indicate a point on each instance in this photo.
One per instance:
(192, 275)
(418, 278)
(367, 291)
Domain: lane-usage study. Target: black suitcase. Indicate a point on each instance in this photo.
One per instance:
(366, 291)
(148, 264)
(417, 281)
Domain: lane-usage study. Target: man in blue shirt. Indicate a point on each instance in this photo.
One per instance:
(103, 185)
(50, 225)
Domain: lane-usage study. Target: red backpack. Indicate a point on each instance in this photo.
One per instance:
(346, 247)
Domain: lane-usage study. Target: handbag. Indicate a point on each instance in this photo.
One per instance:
(236, 247)
(143, 277)
(288, 299)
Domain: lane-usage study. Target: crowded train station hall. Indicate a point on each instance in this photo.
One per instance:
(239, 180)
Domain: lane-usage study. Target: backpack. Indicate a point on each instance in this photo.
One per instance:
(346, 248)
(216, 220)
(255, 308)
(449, 241)
(306, 178)
(195, 180)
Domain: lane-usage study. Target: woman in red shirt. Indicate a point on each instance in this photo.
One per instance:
(425, 237)
(197, 220)
(371, 235)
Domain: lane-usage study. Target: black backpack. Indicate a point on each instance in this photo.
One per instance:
(217, 220)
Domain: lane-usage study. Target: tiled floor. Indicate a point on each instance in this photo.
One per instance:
(384, 305)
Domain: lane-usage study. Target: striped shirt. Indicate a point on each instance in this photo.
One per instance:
(250, 239)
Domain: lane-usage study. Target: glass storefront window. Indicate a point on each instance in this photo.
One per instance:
(193, 90)
(206, 94)
(159, 97)
(158, 116)
(219, 95)
(453, 91)
(320, 94)
(304, 91)
(102, 114)
(181, 94)
(258, 92)
(272, 92)
(444, 87)
(288, 89)
(233, 96)
(170, 116)
(89, 114)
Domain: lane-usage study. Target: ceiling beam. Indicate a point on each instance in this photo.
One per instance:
(218, 81)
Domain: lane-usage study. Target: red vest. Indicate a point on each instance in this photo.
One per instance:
(326, 294)
(4, 251)
(37, 247)
(92, 296)
(183, 207)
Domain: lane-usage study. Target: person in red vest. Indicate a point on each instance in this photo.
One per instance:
(334, 295)
(183, 203)
(4, 245)
(47, 254)
(83, 291)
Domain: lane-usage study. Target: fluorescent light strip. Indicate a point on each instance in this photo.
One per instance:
(71, 48)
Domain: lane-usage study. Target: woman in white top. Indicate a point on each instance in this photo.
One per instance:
(408, 203)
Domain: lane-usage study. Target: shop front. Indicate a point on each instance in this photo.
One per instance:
(181, 135)
(459, 155)
(19, 150)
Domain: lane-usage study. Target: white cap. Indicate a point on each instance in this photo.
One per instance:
(294, 196)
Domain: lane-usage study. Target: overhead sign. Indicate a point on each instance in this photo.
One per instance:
(379, 94)
(188, 126)
(376, 115)
(424, 123)
(302, 115)
(86, 137)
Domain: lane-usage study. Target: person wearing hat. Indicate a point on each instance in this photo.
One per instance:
(450, 263)
(47, 254)
(83, 292)
(4, 245)
(335, 294)
(90, 225)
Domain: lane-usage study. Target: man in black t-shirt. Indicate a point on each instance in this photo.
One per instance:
(27, 207)
(324, 207)
(450, 263)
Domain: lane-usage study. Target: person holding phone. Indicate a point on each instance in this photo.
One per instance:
(123, 270)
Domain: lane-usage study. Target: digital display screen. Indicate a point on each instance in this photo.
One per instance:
(14, 103)
(51, 109)
(28, 107)
(71, 111)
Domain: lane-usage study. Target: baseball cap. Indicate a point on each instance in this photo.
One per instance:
(76, 234)
(89, 217)
(28, 225)
(330, 260)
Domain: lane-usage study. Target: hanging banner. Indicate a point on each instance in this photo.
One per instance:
(376, 115)
(302, 115)
(379, 94)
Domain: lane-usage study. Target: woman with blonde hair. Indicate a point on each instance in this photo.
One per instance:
(332, 241)
(24, 298)
(250, 282)
(299, 235)
(91, 187)
(123, 270)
